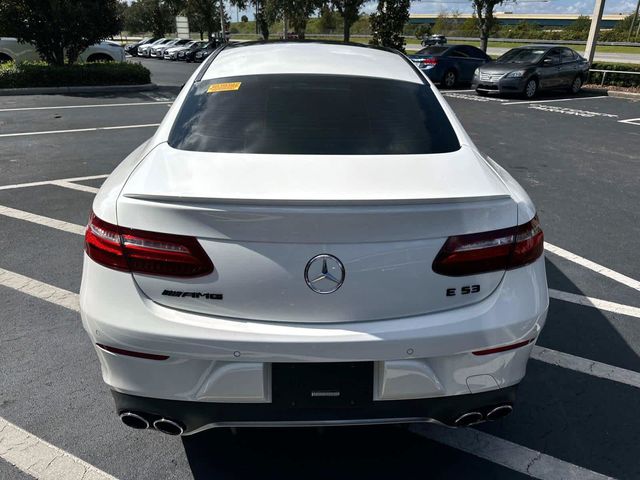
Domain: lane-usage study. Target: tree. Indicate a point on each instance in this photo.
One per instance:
(294, 12)
(204, 15)
(387, 23)
(327, 21)
(244, 19)
(263, 14)
(60, 29)
(155, 16)
(483, 10)
(350, 12)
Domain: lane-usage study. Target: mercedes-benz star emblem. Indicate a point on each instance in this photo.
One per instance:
(324, 274)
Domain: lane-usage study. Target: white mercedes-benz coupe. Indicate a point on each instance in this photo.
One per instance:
(311, 238)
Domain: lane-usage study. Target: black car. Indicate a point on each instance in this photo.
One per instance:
(528, 70)
(204, 52)
(132, 48)
(187, 54)
(430, 40)
(449, 65)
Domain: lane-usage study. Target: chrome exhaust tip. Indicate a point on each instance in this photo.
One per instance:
(499, 412)
(169, 427)
(467, 419)
(134, 420)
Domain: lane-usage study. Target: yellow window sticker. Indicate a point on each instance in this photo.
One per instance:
(224, 87)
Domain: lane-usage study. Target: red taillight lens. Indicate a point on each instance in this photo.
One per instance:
(490, 251)
(430, 61)
(145, 252)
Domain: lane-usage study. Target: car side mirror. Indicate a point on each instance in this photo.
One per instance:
(547, 62)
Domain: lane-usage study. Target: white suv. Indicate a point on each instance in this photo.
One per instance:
(12, 50)
(311, 238)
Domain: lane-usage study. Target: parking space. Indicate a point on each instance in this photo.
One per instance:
(575, 416)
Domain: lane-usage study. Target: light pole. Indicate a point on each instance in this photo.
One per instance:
(633, 21)
(594, 30)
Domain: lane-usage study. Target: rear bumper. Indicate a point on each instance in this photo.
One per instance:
(198, 416)
(213, 359)
(504, 85)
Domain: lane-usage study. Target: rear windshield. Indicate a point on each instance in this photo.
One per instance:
(312, 114)
(522, 55)
(432, 51)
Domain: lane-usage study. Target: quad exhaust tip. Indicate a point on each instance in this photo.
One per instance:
(168, 426)
(133, 420)
(469, 418)
(499, 412)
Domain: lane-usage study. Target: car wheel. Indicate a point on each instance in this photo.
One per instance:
(576, 85)
(449, 79)
(531, 88)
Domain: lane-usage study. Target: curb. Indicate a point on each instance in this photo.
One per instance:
(85, 89)
(612, 93)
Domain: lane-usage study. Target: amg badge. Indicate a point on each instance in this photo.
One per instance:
(210, 296)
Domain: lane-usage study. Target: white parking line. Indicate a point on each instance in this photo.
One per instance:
(78, 130)
(631, 121)
(40, 459)
(508, 454)
(49, 182)
(64, 107)
(589, 367)
(41, 290)
(613, 275)
(555, 100)
(75, 186)
(596, 303)
(40, 220)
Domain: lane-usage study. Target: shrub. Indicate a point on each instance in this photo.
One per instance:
(620, 80)
(39, 74)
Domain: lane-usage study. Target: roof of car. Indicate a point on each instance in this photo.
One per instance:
(306, 57)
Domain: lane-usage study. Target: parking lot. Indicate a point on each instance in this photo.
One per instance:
(576, 414)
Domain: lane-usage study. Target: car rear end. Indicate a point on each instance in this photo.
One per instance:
(255, 265)
(431, 62)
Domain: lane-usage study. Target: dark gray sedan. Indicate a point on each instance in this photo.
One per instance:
(528, 70)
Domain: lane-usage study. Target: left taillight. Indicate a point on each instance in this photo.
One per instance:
(492, 251)
(140, 251)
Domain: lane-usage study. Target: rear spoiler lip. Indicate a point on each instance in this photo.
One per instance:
(258, 202)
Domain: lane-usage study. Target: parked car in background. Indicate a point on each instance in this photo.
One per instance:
(201, 54)
(132, 48)
(13, 51)
(528, 70)
(145, 50)
(158, 51)
(171, 53)
(429, 40)
(449, 65)
(188, 53)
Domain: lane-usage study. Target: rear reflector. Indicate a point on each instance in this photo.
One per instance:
(140, 251)
(504, 348)
(503, 249)
(129, 353)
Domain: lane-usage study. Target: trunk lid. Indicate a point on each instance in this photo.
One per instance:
(262, 218)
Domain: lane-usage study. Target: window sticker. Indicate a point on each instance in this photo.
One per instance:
(224, 87)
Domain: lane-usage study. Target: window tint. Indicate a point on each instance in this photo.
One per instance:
(522, 55)
(473, 51)
(312, 114)
(457, 53)
(568, 55)
(432, 51)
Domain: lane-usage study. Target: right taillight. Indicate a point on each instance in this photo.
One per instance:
(141, 251)
(503, 249)
(430, 61)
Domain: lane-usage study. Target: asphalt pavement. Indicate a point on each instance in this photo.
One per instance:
(576, 411)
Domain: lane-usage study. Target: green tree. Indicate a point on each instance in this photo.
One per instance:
(155, 16)
(388, 21)
(204, 15)
(350, 12)
(327, 22)
(264, 13)
(60, 29)
(294, 12)
(487, 23)
(244, 19)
